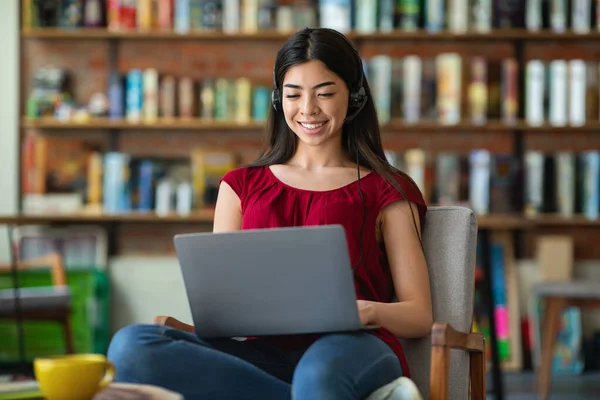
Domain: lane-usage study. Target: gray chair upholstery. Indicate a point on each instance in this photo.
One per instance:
(35, 298)
(450, 242)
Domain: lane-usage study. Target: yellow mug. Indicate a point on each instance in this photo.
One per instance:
(76, 376)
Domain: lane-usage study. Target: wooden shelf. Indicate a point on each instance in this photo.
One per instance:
(500, 221)
(101, 33)
(105, 123)
(208, 125)
(199, 216)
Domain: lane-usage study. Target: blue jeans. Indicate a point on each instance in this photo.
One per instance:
(336, 366)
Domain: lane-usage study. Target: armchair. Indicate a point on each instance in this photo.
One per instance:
(450, 361)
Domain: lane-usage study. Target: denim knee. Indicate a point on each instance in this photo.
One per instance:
(327, 377)
(131, 350)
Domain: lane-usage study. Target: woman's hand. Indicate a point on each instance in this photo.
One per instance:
(366, 312)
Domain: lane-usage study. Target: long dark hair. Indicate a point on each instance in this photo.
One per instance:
(361, 138)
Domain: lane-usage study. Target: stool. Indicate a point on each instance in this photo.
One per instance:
(556, 297)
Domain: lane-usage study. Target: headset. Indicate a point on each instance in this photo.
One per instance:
(356, 102)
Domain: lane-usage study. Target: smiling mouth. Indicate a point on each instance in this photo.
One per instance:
(312, 126)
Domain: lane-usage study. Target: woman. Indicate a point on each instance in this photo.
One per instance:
(324, 165)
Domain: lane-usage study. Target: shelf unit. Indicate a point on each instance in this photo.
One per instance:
(395, 125)
(205, 216)
(100, 33)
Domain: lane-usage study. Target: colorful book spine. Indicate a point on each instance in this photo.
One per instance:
(449, 73)
(558, 15)
(565, 183)
(478, 93)
(591, 184)
(534, 182)
(166, 10)
(115, 181)
(167, 97)
(145, 186)
(479, 181)
(186, 97)
(145, 15)
(558, 96)
(510, 91)
(196, 14)
(458, 16)
(221, 99)
(261, 97)
(207, 99)
(381, 76)
(435, 15)
(533, 15)
(387, 12)
(409, 15)
(250, 16)
(577, 89)
(366, 19)
(534, 93)
(134, 95)
(482, 15)
(182, 21)
(581, 16)
(336, 14)
(212, 15)
(501, 315)
(243, 88)
(231, 16)
(150, 102)
(412, 89)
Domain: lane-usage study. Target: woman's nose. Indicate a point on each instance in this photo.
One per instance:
(309, 106)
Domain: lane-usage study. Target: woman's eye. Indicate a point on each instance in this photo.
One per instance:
(291, 96)
(326, 94)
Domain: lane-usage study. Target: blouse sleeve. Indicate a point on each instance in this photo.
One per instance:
(236, 179)
(390, 194)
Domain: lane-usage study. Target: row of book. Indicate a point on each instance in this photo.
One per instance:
(564, 182)
(145, 95)
(411, 88)
(562, 92)
(248, 16)
(66, 174)
(415, 88)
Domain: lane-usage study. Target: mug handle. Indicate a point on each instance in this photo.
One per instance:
(108, 376)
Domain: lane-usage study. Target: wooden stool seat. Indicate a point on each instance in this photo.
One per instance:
(571, 289)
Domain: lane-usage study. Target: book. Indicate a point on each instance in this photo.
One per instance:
(558, 96)
(534, 93)
(449, 76)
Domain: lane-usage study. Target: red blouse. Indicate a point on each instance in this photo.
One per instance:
(267, 202)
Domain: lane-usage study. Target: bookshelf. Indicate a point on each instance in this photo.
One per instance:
(205, 216)
(395, 125)
(504, 34)
(497, 44)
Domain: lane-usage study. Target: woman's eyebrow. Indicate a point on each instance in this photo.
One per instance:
(320, 85)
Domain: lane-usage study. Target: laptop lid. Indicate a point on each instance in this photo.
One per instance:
(269, 281)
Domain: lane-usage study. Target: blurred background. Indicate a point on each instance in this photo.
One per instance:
(120, 116)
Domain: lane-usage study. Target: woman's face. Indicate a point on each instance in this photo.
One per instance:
(315, 102)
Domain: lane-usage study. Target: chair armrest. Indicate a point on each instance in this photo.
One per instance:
(173, 323)
(444, 338)
(52, 260)
(442, 334)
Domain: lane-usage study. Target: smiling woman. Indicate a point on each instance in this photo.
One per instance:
(324, 164)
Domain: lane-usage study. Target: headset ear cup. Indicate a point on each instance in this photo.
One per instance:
(276, 99)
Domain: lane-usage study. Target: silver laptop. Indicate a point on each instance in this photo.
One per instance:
(269, 281)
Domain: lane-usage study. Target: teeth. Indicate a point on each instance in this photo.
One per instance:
(312, 126)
